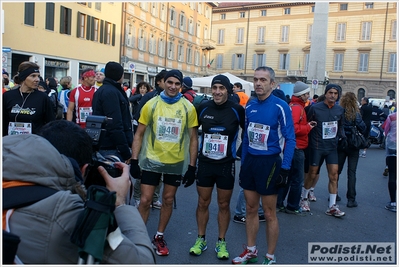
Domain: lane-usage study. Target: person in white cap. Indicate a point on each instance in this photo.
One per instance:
(302, 129)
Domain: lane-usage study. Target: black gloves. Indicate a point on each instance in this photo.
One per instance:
(135, 169)
(189, 176)
(282, 179)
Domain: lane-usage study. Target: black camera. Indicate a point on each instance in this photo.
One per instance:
(96, 128)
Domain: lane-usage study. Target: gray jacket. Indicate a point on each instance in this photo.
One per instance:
(46, 226)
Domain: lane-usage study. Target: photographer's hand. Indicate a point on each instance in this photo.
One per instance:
(120, 185)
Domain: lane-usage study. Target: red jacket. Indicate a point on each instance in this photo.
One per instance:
(301, 126)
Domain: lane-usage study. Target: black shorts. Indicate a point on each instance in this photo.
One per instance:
(152, 178)
(220, 174)
(259, 173)
(306, 167)
(316, 157)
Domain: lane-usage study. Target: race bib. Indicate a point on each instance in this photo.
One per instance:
(15, 128)
(84, 113)
(258, 134)
(215, 146)
(168, 129)
(330, 129)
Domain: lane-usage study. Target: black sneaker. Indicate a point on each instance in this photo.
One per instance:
(262, 218)
(351, 204)
(239, 219)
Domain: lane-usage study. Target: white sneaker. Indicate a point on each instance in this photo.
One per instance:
(311, 196)
(156, 205)
(304, 204)
(137, 202)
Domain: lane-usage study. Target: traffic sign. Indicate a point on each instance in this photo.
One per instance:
(315, 81)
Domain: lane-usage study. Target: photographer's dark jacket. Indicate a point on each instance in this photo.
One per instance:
(111, 101)
(46, 226)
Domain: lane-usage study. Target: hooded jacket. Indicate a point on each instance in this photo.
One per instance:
(301, 126)
(45, 227)
(110, 100)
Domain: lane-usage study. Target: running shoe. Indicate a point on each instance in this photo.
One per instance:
(269, 261)
(221, 250)
(159, 244)
(386, 171)
(199, 247)
(246, 257)
(239, 219)
(391, 207)
(304, 204)
(156, 205)
(262, 218)
(280, 208)
(295, 212)
(311, 196)
(362, 154)
(334, 211)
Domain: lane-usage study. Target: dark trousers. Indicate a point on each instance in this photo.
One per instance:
(295, 182)
(353, 157)
(391, 163)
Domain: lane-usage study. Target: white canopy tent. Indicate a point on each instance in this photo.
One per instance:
(206, 82)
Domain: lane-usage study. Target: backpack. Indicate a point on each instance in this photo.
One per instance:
(198, 99)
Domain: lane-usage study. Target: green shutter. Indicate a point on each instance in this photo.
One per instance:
(88, 27)
(102, 31)
(113, 34)
(62, 19)
(92, 29)
(78, 26)
(69, 22)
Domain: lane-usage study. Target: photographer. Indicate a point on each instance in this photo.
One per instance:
(59, 162)
(111, 101)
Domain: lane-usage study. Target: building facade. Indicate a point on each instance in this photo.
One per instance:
(165, 35)
(360, 53)
(63, 38)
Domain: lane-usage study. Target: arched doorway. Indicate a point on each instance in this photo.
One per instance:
(391, 94)
(360, 94)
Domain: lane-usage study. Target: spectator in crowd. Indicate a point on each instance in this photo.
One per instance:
(390, 132)
(81, 98)
(323, 144)
(166, 143)
(352, 119)
(99, 78)
(220, 120)
(187, 89)
(302, 128)
(111, 101)
(27, 109)
(237, 89)
(6, 79)
(63, 95)
(142, 89)
(58, 160)
(267, 115)
(366, 112)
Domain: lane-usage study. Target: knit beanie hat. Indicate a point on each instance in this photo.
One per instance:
(113, 70)
(333, 86)
(300, 88)
(224, 81)
(187, 82)
(174, 73)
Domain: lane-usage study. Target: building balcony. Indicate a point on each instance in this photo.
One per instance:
(208, 44)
